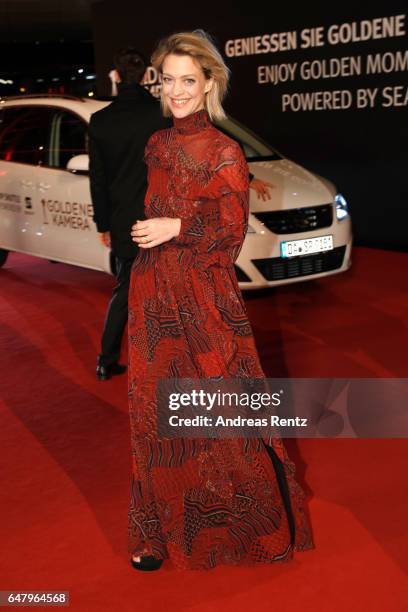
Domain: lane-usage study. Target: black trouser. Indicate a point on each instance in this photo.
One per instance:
(117, 314)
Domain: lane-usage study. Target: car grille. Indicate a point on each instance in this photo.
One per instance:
(278, 268)
(297, 220)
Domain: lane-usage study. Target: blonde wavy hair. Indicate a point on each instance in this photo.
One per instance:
(199, 46)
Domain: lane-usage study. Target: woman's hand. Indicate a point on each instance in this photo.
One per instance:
(261, 188)
(152, 232)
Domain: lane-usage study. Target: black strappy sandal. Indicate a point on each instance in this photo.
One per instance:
(147, 564)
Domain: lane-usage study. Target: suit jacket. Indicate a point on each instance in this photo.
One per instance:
(118, 175)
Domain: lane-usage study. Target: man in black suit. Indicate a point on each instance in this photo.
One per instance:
(117, 138)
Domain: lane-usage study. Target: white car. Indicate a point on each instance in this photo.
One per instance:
(302, 232)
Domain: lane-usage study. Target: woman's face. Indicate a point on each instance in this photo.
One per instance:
(184, 85)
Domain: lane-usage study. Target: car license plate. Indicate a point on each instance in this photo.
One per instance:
(306, 246)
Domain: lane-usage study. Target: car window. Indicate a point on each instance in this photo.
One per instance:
(24, 134)
(68, 138)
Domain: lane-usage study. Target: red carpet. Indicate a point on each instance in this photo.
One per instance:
(66, 454)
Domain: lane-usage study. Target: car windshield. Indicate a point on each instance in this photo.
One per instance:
(254, 148)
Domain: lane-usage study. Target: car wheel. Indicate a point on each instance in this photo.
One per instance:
(3, 257)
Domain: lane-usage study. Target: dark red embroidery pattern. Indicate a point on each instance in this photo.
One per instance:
(200, 502)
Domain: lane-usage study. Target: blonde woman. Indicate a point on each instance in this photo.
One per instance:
(198, 502)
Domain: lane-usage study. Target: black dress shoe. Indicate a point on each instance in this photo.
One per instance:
(147, 564)
(105, 372)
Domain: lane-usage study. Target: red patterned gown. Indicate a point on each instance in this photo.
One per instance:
(200, 502)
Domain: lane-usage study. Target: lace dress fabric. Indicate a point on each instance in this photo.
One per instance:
(200, 502)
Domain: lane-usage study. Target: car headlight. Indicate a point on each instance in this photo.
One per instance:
(250, 230)
(342, 210)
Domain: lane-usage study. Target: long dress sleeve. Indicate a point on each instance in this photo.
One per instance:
(221, 218)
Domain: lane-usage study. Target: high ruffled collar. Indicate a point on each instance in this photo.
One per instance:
(191, 124)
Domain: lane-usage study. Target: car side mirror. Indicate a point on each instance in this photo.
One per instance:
(79, 164)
